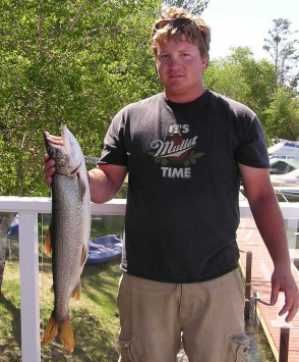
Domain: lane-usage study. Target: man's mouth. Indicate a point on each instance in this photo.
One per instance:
(176, 76)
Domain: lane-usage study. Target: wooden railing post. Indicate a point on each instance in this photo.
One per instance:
(284, 344)
(248, 285)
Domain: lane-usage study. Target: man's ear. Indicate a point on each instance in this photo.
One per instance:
(156, 65)
(205, 61)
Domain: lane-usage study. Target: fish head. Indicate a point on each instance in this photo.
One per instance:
(72, 149)
(66, 152)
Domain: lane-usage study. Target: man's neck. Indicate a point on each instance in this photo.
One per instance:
(184, 97)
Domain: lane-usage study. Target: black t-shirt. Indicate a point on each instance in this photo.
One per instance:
(183, 186)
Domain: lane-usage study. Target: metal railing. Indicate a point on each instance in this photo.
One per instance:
(28, 210)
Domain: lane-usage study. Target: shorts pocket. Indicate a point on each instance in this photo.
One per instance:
(240, 348)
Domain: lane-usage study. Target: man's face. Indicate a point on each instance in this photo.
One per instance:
(180, 67)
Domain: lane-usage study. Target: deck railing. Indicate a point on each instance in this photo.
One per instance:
(28, 210)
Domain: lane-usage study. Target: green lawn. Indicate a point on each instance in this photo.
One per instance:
(94, 316)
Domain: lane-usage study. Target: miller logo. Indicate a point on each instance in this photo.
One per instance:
(176, 150)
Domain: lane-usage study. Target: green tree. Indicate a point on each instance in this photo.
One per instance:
(282, 45)
(243, 78)
(67, 62)
(282, 115)
(194, 6)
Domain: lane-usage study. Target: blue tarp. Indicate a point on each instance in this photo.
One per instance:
(103, 249)
(13, 230)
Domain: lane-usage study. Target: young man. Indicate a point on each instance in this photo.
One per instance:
(185, 150)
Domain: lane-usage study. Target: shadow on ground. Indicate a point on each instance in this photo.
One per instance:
(93, 342)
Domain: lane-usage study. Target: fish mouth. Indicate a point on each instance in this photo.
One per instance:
(61, 144)
(52, 143)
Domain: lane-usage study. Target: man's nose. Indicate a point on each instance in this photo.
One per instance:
(174, 60)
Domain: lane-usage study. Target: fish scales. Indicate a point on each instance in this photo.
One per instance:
(69, 221)
(69, 231)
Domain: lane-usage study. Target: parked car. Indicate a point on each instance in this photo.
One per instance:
(287, 179)
(280, 166)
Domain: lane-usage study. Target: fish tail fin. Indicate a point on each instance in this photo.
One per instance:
(76, 292)
(48, 244)
(66, 335)
(50, 332)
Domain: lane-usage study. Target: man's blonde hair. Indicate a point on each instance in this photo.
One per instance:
(177, 23)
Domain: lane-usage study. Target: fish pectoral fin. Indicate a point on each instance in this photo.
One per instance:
(50, 332)
(48, 244)
(77, 292)
(83, 255)
(66, 335)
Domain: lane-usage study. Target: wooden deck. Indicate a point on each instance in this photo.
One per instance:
(262, 266)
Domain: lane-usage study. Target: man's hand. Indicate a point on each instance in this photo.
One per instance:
(49, 164)
(49, 169)
(269, 220)
(283, 281)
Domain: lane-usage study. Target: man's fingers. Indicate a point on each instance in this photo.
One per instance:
(287, 306)
(49, 169)
(293, 311)
(49, 164)
(291, 304)
(283, 281)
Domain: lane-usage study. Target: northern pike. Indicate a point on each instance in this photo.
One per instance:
(69, 231)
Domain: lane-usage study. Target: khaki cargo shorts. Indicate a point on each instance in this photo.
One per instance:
(206, 318)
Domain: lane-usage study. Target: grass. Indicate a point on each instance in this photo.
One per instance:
(10, 335)
(94, 317)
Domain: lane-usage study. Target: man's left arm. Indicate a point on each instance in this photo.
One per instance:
(268, 218)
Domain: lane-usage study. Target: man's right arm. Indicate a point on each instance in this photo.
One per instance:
(105, 181)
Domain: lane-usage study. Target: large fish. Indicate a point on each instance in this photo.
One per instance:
(69, 231)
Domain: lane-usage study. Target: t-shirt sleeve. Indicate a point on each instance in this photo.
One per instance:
(114, 151)
(251, 149)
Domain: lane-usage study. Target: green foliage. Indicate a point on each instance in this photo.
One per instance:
(253, 82)
(67, 62)
(194, 6)
(79, 62)
(241, 77)
(282, 116)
